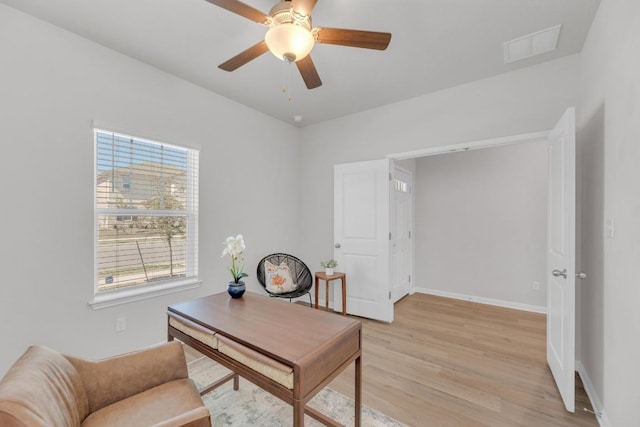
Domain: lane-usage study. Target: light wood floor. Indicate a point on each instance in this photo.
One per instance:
(446, 362)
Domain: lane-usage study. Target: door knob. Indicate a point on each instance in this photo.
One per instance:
(558, 273)
(581, 275)
(337, 245)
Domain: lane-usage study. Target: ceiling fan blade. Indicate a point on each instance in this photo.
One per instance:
(241, 9)
(303, 7)
(309, 72)
(353, 38)
(243, 57)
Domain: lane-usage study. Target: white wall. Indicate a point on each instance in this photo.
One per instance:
(481, 224)
(523, 101)
(609, 135)
(53, 84)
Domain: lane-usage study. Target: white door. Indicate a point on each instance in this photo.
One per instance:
(361, 238)
(561, 240)
(401, 233)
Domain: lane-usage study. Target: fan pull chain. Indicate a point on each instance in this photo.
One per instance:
(284, 77)
(290, 66)
(286, 80)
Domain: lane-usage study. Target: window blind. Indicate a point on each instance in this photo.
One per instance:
(146, 212)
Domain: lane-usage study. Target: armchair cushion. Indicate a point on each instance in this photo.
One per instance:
(116, 378)
(154, 407)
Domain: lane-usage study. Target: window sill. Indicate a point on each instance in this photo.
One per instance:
(110, 299)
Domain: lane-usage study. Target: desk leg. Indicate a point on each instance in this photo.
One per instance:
(298, 413)
(316, 302)
(358, 386)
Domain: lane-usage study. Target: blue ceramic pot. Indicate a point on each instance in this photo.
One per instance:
(236, 290)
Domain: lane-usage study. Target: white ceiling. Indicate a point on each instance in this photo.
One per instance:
(436, 44)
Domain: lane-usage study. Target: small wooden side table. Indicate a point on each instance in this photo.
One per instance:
(321, 275)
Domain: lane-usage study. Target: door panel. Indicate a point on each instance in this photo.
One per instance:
(362, 267)
(361, 237)
(561, 258)
(359, 205)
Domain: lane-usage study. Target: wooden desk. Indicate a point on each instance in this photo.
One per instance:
(317, 345)
(321, 275)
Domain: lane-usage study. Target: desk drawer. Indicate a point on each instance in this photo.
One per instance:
(321, 368)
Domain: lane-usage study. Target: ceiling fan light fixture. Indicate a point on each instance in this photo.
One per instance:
(289, 41)
(291, 36)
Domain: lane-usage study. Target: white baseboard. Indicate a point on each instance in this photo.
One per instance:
(596, 403)
(482, 300)
(321, 303)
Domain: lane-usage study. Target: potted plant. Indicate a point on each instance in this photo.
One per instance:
(234, 246)
(329, 266)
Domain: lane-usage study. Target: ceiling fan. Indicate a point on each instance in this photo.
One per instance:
(291, 37)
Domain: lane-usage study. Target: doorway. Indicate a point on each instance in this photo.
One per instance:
(401, 232)
(559, 271)
(363, 237)
(481, 225)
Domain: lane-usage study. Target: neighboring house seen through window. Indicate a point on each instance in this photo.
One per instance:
(146, 214)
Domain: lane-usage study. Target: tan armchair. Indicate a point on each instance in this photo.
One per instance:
(150, 387)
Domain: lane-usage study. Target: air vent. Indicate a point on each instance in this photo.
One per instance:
(533, 44)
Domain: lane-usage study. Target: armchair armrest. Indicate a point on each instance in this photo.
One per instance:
(116, 378)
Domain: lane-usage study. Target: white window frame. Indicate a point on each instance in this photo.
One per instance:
(103, 299)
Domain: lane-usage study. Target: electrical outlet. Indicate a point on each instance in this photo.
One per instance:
(535, 286)
(121, 324)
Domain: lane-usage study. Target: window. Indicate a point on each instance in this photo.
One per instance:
(400, 185)
(146, 215)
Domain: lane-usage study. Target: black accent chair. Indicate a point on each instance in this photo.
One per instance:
(300, 274)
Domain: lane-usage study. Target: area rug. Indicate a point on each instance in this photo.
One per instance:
(252, 406)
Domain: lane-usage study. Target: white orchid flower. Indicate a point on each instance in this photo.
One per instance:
(234, 246)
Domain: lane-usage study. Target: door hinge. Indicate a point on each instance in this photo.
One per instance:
(409, 278)
(389, 235)
(390, 177)
(409, 233)
(389, 294)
